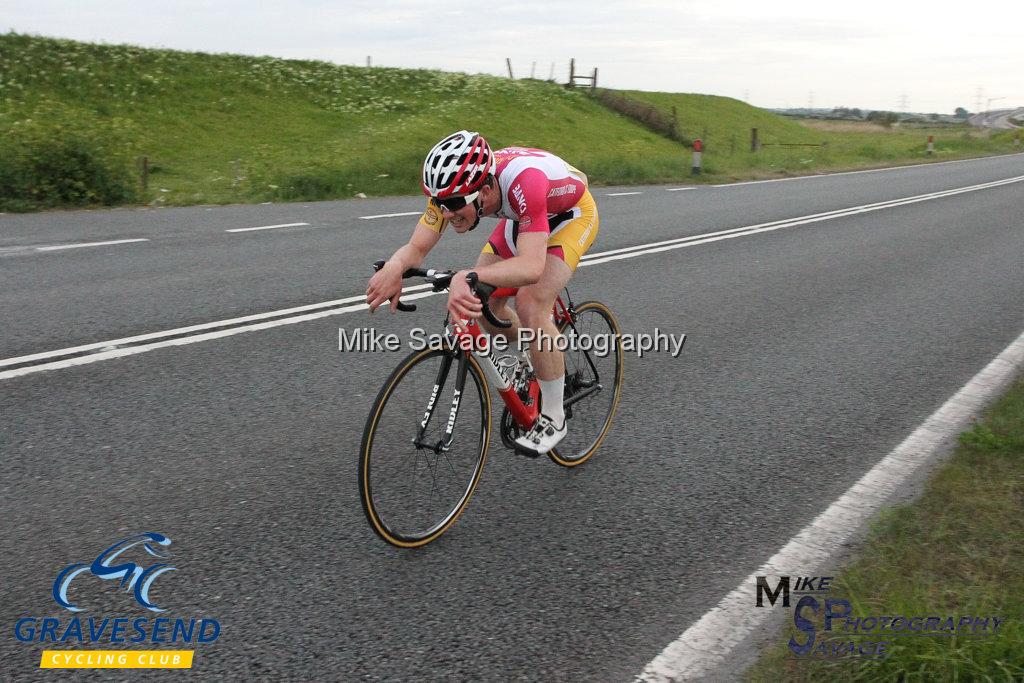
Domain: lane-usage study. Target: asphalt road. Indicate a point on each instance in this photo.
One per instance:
(812, 351)
(998, 119)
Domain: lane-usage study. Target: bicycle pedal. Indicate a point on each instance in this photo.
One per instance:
(526, 452)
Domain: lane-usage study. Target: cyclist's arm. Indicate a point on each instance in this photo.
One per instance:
(387, 282)
(411, 255)
(524, 269)
(528, 195)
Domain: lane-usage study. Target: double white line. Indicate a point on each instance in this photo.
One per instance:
(693, 240)
(128, 346)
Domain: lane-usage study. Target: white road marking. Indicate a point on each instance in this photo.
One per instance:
(338, 306)
(694, 240)
(57, 247)
(620, 194)
(192, 328)
(392, 215)
(182, 341)
(708, 643)
(679, 189)
(267, 227)
(866, 170)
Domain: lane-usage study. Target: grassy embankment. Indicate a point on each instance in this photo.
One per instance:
(75, 117)
(724, 127)
(223, 128)
(958, 550)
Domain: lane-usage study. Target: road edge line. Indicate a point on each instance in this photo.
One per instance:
(707, 644)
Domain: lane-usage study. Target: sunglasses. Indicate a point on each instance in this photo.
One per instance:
(453, 204)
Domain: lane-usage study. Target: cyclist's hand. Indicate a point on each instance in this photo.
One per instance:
(385, 284)
(462, 303)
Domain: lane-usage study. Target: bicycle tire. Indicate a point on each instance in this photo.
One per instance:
(586, 435)
(394, 418)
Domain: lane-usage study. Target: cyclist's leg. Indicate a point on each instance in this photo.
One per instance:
(573, 237)
(569, 240)
(533, 303)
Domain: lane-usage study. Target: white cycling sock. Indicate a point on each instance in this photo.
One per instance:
(551, 399)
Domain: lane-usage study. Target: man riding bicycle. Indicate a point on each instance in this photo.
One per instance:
(548, 220)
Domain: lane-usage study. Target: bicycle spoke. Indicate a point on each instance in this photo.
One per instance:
(590, 415)
(410, 503)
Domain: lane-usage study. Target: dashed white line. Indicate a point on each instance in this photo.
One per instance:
(57, 247)
(620, 194)
(313, 311)
(679, 189)
(267, 227)
(392, 215)
(866, 170)
(709, 643)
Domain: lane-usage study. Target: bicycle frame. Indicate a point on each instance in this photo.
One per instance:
(523, 411)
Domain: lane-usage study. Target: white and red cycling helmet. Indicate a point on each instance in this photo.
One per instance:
(458, 165)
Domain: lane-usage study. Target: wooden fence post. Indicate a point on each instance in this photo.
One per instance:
(144, 173)
(572, 72)
(593, 86)
(508, 63)
(755, 144)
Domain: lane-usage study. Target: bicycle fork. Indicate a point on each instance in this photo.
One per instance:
(445, 443)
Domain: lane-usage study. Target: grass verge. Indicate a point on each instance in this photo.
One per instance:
(957, 550)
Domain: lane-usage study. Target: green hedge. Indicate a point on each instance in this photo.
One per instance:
(58, 158)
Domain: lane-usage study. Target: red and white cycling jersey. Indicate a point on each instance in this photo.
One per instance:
(534, 185)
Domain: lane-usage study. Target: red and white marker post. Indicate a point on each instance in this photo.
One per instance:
(931, 145)
(698, 149)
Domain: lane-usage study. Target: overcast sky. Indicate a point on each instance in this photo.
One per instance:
(896, 54)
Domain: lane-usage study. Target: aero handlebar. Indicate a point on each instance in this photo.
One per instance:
(440, 280)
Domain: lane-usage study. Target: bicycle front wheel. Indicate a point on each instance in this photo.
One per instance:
(593, 382)
(424, 446)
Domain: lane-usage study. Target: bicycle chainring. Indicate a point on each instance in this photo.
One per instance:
(510, 431)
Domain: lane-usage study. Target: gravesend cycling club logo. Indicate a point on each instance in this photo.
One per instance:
(827, 627)
(136, 577)
(134, 563)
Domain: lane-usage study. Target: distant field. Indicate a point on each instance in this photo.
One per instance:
(724, 125)
(75, 118)
(846, 126)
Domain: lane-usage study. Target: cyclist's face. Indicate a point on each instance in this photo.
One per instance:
(462, 219)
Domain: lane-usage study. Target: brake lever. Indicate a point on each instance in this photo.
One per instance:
(483, 291)
(408, 308)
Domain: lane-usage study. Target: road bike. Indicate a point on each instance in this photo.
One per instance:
(428, 432)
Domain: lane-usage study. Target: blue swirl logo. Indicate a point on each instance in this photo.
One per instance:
(133, 576)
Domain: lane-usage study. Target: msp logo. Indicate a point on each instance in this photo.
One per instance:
(125, 563)
(827, 627)
(136, 577)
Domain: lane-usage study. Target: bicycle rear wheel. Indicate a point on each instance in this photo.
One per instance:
(415, 481)
(593, 383)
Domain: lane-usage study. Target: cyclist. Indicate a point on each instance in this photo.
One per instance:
(547, 221)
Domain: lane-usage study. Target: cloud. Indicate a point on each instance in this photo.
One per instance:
(867, 54)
